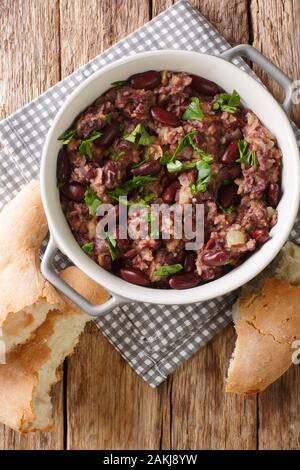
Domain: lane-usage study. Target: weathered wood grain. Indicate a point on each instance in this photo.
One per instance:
(89, 27)
(202, 416)
(30, 51)
(276, 33)
(29, 65)
(230, 18)
(109, 406)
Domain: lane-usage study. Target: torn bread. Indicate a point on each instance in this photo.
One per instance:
(267, 322)
(31, 368)
(26, 297)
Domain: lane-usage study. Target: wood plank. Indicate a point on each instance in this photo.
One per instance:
(109, 406)
(159, 6)
(229, 17)
(201, 415)
(83, 39)
(30, 64)
(30, 51)
(276, 33)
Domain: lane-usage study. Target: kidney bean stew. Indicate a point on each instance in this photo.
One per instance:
(165, 137)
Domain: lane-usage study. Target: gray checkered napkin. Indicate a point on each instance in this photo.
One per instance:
(154, 339)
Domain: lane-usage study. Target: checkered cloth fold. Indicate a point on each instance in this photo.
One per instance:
(153, 339)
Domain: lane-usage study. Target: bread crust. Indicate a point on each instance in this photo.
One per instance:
(267, 322)
(20, 375)
(23, 227)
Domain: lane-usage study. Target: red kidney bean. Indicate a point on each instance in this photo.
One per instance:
(122, 243)
(203, 86)
(169, 193)
(110, 132)
(110, 174)
(184, 281)
(73, 191)
(216, 258)
(164, 117)
(231, 153)
(63, 167)
(146, 80)
(260, 235)
(273, 194)
(227, 194)
(189, 263)
(149, 168)
(135, 276)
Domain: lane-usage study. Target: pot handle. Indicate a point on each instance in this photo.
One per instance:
(245, 50)
(50, 274)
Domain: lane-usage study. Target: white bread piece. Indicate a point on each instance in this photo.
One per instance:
(267, 322)
(26, 297)
(31, 368)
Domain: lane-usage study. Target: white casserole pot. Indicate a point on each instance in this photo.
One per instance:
(229, 77)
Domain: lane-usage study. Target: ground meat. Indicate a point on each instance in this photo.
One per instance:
(147, 149)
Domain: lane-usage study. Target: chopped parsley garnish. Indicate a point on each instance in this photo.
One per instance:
(84, 147)
(92, 201)
(117, 154)
(136, 183)
(204, 176)
(112, 247)
(140, 136)
(227, 103)
(188, 139)
(226, 210)
(193, 111)
(108, 118)
(119, 83)
(168, 269)
(247, 156)
(67, 136)
(88, 248)
(177, 166)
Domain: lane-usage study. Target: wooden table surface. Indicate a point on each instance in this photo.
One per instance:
(102, 403)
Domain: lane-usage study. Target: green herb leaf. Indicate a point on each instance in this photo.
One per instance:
(193, 111)
(227, 103)
(247, 156)
(165, 159)
(67, 136)
(174, 167)
(108, 118)
(84, 147)
(136, 183)
(204, 176)
(140, 136)
(226, 210)
(112, 247)
(226, 181)
(92, 201)
(88, 248)
(119, 83)
(188, 139)
(60, 184)
(168, 269)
